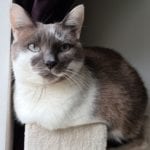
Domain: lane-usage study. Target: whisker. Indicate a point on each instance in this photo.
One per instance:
(41, 94)
(79, 78)
(35, 91)
(72, 80)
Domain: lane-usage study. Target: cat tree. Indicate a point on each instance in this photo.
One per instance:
(87, 137)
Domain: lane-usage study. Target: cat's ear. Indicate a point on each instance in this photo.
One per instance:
(74, 19)
(19, 19)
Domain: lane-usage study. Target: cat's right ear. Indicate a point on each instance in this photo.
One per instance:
(74, 20)
(19, 20)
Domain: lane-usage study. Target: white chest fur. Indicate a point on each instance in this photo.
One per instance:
(55, 106)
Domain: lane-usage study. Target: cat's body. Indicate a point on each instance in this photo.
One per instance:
(60, 85)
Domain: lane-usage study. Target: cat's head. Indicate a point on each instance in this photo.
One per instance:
(46, 51)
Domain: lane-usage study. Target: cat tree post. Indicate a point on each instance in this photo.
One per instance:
(89, 137)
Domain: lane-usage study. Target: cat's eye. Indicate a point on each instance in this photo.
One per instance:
(66, 47)
(32, 47)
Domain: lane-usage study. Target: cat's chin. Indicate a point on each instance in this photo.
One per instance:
(54, 81)
(53, 78)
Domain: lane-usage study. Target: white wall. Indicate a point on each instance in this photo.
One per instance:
(123, 25)
(5, 121)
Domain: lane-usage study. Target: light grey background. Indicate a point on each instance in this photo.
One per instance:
(123, 25)
(5, 112)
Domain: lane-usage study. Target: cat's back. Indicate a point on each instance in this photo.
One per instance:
(102, 58)
(116, 77)
(100, 51)
(108, 64)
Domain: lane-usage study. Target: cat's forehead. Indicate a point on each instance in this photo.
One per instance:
(47, 34)
(52, 31)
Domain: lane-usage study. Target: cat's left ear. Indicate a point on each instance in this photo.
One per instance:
(20, 21)
(74, 20)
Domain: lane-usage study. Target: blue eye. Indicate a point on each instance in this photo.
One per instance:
(66, 47)
(32, 47)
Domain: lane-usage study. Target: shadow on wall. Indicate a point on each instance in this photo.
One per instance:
(105, 18)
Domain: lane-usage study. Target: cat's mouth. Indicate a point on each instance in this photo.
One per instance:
(52, 75)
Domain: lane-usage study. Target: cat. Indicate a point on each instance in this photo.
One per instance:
(60, 84)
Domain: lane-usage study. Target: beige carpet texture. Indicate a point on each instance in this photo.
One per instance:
(89, 137)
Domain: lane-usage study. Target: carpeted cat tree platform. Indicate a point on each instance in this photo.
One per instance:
(88, 137)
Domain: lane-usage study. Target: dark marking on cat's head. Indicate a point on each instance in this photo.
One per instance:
(51, 49)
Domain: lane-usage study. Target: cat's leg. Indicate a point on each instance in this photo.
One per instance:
(136, 144)
(116, 138)
(141, 142)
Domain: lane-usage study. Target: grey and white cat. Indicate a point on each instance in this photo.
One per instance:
(59, 84)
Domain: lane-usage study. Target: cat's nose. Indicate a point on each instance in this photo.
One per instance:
(50, 64)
